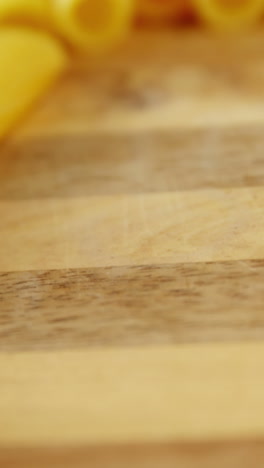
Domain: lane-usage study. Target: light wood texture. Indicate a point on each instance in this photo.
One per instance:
(142, 395)
(159, 81)
(203, 226)
(137, 122)
(131, 240)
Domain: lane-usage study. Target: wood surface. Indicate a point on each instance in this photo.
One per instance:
(132, 261)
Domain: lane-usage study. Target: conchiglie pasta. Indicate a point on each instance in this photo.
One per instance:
(93, 24)
(30, 61)
(24, 11)
(229, 14)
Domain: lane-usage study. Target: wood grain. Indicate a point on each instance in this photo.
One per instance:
(190, 116)
(192, 80)
(184, 393)
(132, 306)
(138, 162)
(212, 225)
(131, 207)
(230, 453)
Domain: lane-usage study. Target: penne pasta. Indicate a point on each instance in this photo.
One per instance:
(93, 24)
(30, 61)
(229, 14)
(161, 9)
(24, 11)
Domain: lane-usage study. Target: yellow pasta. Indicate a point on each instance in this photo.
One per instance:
(93, 24)
(20, 11)
(161, 9)
(229, 14)
(30, 61)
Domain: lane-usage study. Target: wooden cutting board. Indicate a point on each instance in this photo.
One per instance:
(132, 262)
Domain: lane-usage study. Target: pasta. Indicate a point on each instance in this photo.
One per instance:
(229, 14)
(93, 24)
(29, 62)
(21, 11)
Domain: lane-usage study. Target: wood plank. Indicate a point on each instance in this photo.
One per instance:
(82, 269)
(155, 161)
(181, 394)
(126, 306)
(231, 454)
(199, 226)
(188, 116)
(193, 79)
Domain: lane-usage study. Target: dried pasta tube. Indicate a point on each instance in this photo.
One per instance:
(229, 14)
(30, 61)
(93, 24)
(24, 11)
(161, 9)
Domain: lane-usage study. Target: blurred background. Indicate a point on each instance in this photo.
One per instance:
(131, 233)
